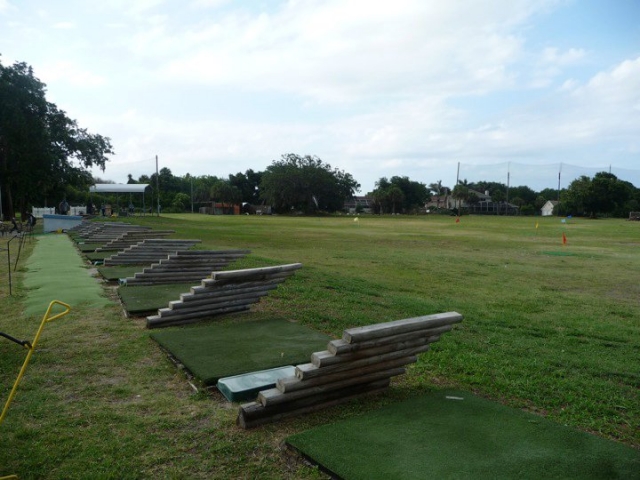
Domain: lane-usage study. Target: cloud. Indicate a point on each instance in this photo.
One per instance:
(408, 87)
(420, 137)
(64, 25)
(552, 62)
(552, 56)
(602, 112)
(70, 73)
(346, 51)
(5, 6)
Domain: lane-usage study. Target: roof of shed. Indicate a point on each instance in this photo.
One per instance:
(118, 187)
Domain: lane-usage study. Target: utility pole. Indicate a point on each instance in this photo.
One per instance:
(559, 172)
(158, 185)
(457, 181)
(508, 179)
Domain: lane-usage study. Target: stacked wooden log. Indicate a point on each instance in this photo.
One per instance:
(108, 232)
(79, 227)
(363, 361)
(149, 251)
(84, 229)
(132, 237)
(186, 266)
(224, 292)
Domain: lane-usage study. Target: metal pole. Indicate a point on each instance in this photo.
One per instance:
(1, 211)
(158, 185)
(508, 178)
(9, 263)
(191, 194)
(457, 181)
(559, 172)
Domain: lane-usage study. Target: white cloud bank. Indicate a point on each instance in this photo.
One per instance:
(374, 88)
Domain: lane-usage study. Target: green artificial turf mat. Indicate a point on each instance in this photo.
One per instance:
(116, 273)
(99, 255)
(55, 271)
(224, 349)
(455, 435)
(147, 298)
(89, 247)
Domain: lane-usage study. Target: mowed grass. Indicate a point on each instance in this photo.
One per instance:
(548, 328)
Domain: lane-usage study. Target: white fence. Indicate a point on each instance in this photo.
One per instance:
(39, 212)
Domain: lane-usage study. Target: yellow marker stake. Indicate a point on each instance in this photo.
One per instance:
(45, 319)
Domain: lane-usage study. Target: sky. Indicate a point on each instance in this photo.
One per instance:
(524, 92)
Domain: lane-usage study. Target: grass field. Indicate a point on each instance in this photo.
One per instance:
(548, 328)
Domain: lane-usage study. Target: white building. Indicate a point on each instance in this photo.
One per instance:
(547, 208)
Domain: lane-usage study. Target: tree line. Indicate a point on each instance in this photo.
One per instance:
(305, 184)
(45, 156)
(42, 150)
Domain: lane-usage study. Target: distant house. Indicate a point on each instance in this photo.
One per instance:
(441, 201)
(355, 204)
(547, 208)
(483, 205)
(217, 208)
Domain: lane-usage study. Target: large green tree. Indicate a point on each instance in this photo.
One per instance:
(42, 151)
(249, 184)
(604, 194)
(399, 195)
(306, 184)
(222, 191)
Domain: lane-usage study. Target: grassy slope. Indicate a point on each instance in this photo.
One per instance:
(549, 328)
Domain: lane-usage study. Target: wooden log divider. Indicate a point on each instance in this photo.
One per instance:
(292, 384)
(364, 360)
(274, 396)
(179, 308)
(209, 283)
(237, 294)
(256, 272)
(309, 370)
(237, 290)
(178, 267)
(340, 347)
(157, 321)
(326, 359)
(369, 332)
(254, 414)
(207, 293)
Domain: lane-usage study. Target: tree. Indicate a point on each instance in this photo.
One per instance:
(415, 194)
(539, 202)
(498, 197)
(605, 194)
(180, 202)
(306, 184)
(576, 196)
(549, 194)
(525, 195)
(460, 193)
(225, 193)
(42, 151)
(249, 185)
(436, 188)
(400, 194)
